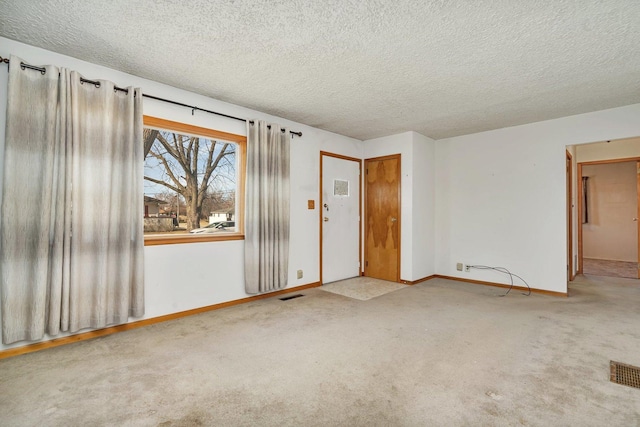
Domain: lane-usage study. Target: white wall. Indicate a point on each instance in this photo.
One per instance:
(500, 195)
(186, 276)
(424, 210)
(417, 189)
(618, 149)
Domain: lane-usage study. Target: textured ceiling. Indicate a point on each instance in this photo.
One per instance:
(362, 68)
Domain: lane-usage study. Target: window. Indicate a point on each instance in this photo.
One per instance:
(193, 183)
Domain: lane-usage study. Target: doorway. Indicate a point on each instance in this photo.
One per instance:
(340, 206)
(609, 236)
(382, 218)
(569, 160)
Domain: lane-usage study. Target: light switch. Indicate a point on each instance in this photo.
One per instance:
(311, 204)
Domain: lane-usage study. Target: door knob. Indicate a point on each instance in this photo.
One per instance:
(393, 219)
(635, 219)
(326, 219)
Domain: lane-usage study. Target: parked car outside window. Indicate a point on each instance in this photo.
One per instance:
(216, 227)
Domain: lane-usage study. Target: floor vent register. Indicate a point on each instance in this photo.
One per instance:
(625, 374)
(291, 297)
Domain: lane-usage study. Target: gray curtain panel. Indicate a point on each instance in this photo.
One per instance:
(106, 271)
(32, 215)
(267, 195)
(72, 231)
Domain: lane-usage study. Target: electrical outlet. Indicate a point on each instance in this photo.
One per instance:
(459, 266)
(299, 274)
(467, 267)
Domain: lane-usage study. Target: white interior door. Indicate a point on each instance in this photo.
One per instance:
(340, 216)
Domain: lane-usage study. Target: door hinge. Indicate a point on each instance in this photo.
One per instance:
(366, 264)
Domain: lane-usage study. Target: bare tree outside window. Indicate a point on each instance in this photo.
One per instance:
(190, 172)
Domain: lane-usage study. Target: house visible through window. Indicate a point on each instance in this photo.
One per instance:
(192, 182)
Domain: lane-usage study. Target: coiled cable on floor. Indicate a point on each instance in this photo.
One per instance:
(504, 270)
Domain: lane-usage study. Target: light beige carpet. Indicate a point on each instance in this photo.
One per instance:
(603, 267)
(438, 353)
(362, 288)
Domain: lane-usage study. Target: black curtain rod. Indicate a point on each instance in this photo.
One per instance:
(44, 70)
(194, 108)
(157, 98)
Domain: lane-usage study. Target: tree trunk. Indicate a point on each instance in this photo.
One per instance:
(149, 136)
(193, 214)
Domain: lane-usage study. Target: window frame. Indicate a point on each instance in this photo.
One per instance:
(241, 142)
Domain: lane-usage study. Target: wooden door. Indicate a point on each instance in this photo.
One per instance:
(580, 195)
(637, 218)
(570, 275)
(382, 218)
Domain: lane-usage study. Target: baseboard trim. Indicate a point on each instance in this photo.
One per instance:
(415, 282)
(502, 285)
(31, 348)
